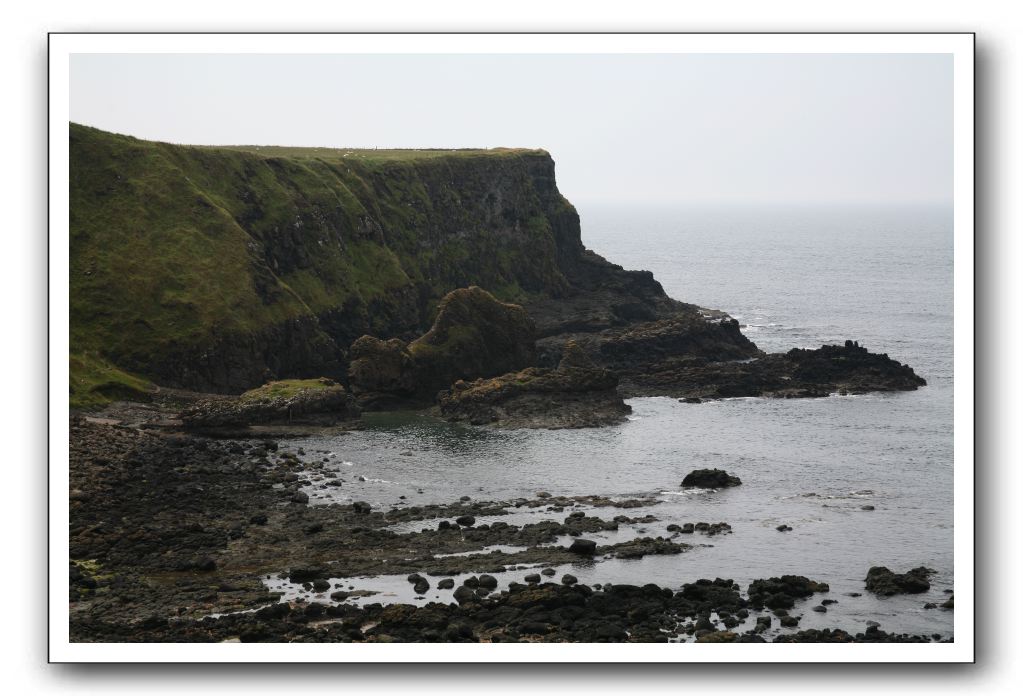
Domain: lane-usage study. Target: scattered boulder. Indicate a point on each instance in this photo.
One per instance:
(583, 547)
(710, 478)
(781, 593)
(465, 520)
(882, 581)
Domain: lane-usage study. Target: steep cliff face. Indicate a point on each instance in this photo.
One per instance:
(223, 268)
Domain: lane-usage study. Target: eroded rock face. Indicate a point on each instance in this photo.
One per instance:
(475, 335)
(288, 401)
(577, 394)
(381, 372)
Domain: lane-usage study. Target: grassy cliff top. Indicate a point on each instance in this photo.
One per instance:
(368, 155)
(372, 155)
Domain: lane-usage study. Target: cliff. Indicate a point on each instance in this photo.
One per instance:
(220, 269)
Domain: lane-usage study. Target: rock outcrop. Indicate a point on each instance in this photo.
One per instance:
(710, 478)
(576, 394)
(882, 581)
(474, 335)
(848, 369)
(286, 402)
(381, 374)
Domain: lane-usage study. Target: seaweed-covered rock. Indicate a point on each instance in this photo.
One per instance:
(285, 401)
(882, 581)
(577, 394)
(710, 478)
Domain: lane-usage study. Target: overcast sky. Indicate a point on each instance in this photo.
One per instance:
(683, 128)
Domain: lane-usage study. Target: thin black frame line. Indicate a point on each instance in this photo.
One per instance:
(48, 242)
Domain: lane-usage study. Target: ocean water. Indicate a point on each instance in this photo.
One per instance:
(793, 278)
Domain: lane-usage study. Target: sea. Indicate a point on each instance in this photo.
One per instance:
(792, 277)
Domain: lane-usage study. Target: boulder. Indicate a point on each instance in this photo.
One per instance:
(710, 478)
(583, 547)
(882, 581)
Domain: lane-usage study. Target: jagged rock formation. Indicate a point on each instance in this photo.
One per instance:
(849, 369)
(577, 394)
(882, 581)
(474, 335)
(291, 401)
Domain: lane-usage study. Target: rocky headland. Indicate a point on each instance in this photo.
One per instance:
(219, 292)
(395, 273)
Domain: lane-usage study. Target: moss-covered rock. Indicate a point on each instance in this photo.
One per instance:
(474, 335)
(381, 373)
(285, 401)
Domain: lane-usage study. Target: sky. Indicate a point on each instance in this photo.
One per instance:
(632, 128)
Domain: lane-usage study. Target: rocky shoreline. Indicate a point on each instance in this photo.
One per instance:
(179, 537)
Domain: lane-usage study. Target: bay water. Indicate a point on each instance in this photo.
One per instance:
(793, 277)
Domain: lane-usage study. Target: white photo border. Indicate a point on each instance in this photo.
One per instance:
(959, 45)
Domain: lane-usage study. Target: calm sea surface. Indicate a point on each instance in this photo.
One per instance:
(793, 278)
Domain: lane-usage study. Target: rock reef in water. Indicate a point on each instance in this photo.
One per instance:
(289, 401)
(576, 394)
(847, 369)
(474, 335)
(882, 581)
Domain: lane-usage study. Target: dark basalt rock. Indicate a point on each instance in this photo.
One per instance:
(848, 369)
(381, 373)
(584, 547)
(474, 335)
(882, 581)
(577, 394)
(781, 592)
(710, 478)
